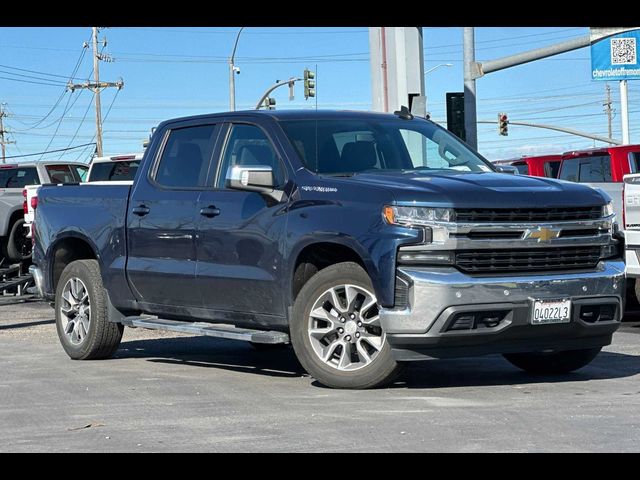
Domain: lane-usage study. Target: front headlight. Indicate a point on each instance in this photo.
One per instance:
(408, 216)
(607, 210)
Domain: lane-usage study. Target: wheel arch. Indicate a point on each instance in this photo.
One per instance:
(316, 254)
(67, 248)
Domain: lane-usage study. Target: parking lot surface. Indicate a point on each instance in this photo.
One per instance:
(171, 392)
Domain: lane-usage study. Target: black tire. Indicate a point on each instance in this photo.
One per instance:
(382, 370)
(17, 247)
(103, 337)
(556, 362)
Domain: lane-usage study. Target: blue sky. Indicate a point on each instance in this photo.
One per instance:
(171, 71)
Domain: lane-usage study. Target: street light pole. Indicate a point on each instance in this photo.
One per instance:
(438, 66)
(232, 71)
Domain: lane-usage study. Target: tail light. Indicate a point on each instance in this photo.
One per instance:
(25, 209)
(34, 202)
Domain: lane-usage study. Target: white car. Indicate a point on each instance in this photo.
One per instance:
(117, 168)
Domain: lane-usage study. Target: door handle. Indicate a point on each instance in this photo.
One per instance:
(140, 210)
(210, 211)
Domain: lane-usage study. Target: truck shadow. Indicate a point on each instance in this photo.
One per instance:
(491, 370)
(215, 353)
(494, 370)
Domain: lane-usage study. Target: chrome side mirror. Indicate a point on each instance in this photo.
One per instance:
(510, 169)
(254, 178)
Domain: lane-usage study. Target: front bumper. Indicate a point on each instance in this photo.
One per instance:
(435, 296)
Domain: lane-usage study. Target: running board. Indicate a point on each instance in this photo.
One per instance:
(208, 329)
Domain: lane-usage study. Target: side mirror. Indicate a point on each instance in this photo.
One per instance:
(510, 169)
(258, 178)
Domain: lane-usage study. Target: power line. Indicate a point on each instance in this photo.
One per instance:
(66, 77)
(55, 105)
(51, 151)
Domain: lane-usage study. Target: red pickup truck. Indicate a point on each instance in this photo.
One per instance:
(538, 166)
(603, 168)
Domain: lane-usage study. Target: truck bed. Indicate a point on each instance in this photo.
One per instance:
(101, 211)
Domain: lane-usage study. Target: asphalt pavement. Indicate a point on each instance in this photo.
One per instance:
(172, 392)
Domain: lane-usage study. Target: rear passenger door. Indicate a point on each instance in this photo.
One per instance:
(163, 219)
(240, 233)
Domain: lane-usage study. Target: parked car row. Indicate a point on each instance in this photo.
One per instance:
(116, 168)
(14, 245)
(602, 168)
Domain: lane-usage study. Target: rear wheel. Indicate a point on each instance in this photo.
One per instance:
(82, 315)
(336, 332)
(17, 247)
(554, 362)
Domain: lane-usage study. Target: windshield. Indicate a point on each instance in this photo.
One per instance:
(347, 146)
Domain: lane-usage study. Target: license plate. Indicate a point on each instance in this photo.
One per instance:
(551, 311)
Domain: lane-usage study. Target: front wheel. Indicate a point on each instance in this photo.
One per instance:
(554, 362)
(82, 314)
(336, 333)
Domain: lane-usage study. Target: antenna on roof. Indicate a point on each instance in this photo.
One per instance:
(404, 113)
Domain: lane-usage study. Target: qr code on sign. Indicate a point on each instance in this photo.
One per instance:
(623, 51)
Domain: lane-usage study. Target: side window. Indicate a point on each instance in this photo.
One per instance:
(60, 174)
(551, 169)
(569, 170)
(185, 158)
(595, 169)
(523, 168)
(81, 172)
(634, 162)
(248, 145)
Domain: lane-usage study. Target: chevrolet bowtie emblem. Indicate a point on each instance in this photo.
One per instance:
(542, 234)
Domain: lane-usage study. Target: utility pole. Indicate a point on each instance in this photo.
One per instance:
(469, 62)
(97, 86)
(3, 132)
(609, 110)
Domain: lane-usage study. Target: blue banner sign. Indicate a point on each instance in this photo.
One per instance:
(616, 57)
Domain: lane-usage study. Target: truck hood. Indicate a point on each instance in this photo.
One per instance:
(482, 190)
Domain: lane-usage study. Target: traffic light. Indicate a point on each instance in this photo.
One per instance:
(269, 103)
(455, 114)
(309, 84)
(503, 124)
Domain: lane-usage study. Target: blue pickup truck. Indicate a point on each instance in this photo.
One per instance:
(365, 240)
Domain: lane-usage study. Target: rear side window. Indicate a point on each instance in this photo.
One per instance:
(594, 169)
(523, 168)
(81, 171)
(114, 171)
(18, 177)
(551, 169)
(185, 159)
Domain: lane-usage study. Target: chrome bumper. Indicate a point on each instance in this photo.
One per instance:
(435, 295)
(36, 273)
